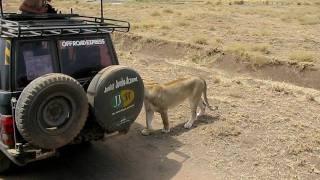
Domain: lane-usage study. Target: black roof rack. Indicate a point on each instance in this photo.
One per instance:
(18, 25)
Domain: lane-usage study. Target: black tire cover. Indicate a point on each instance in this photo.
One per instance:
(51, 111)
(116, 95)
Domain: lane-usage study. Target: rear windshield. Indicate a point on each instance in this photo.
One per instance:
(34, 59)
(79, 58)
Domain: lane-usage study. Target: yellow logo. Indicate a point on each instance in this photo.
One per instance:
(127, 97)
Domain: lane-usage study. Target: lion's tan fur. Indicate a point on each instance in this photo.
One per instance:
(161, 97)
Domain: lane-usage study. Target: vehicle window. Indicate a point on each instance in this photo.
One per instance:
(79, 58)
(34, 59)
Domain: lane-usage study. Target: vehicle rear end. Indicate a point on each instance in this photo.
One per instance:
(7, 125)
(61, 84)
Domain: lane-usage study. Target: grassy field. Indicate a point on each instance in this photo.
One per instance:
(258, 31)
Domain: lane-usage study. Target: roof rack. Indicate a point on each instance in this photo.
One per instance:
(17, 25)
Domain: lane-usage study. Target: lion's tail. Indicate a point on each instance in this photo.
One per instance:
(205, 95)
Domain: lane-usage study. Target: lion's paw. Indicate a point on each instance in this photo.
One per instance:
(165, 130)
(146, 132)
(188, 125)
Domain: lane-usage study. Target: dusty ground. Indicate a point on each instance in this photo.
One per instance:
(264, 129)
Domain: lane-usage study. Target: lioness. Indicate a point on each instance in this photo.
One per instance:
(160, 97)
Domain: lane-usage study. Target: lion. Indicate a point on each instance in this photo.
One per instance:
(160, 97)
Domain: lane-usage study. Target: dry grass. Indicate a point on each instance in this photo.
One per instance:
(302, 56)
(200, 40)
(309, 19)
(310, 97)
(241, 2)
(183, 23)
(302, 15)
(145, 26)
(255, 54)
(190, 17)
(155, 13)
(169, 11)
(263, 48)
(262, 33)
(281, 88)
(165, 27)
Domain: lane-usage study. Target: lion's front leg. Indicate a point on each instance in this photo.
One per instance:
(165, 120)
(149, 116)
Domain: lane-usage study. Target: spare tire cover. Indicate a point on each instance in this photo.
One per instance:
(116, 95)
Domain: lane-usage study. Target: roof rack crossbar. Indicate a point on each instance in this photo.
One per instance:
(8, 34)
(104, 30)
(51, 27)
(90, 30)
(53, 31)
(34, 33)
(74, 31)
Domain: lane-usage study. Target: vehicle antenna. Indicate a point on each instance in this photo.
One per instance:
(1, 8)
(101, 8)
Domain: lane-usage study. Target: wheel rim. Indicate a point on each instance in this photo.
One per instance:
(55, 113)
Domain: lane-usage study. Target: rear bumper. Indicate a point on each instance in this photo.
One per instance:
(10, 156)
(25, 157)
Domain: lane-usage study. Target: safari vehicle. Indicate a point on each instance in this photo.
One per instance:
(61, 84)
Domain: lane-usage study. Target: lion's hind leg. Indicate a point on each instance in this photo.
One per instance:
(194, 102)
(202, 106)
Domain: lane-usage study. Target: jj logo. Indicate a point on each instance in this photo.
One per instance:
(123, 99)
(117, 101)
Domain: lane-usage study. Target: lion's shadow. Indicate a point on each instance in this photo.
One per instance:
(179, 129)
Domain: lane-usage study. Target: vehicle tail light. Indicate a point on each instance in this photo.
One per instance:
(7, 130)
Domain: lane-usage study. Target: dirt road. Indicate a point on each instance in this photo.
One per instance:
(262, 130)
(126, 157)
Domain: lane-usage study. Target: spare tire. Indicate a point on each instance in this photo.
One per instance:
(116, 95)
(51, 111)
